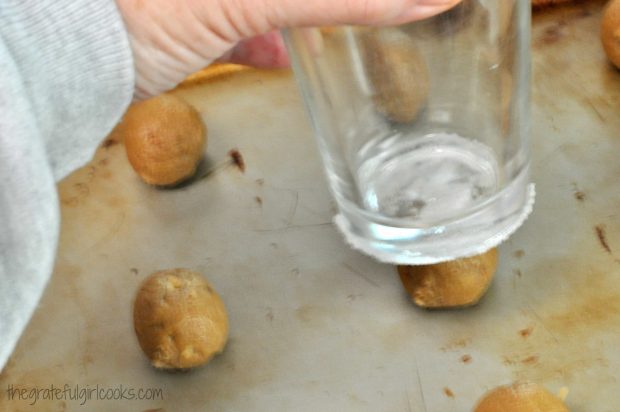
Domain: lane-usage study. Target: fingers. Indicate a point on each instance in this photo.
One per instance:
(254, 17)
(173, 39)
(295, 13)
(268, 51)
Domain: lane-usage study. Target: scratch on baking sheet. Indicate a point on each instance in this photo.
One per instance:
(417, 371)
(360, 274)
(600, 116)
(312, 212)
(293, 211)
(553, 153)
(539, 318)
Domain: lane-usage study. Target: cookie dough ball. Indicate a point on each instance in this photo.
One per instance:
(165, 139)
(180, 321)
(520, 397)
(456, 283)
(610, 31)
(398, 74)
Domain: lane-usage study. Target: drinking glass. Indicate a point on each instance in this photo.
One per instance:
(423, 128)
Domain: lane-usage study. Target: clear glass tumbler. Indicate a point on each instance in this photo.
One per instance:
(423, 128)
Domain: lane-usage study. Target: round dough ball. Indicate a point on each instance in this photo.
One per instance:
(180, 321)
(520, 397)
(610, 31)
(398, 74)
(165, 139)
(456, 283)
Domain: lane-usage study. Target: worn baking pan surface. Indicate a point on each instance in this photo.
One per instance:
(316, 326)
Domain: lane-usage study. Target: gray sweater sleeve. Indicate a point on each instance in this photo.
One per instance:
(66, 77)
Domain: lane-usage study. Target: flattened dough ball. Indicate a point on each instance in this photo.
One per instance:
(520, 397)
(165, 139)
(456, 283)
(179, 319)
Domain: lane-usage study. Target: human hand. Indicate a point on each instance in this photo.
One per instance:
(172, 39)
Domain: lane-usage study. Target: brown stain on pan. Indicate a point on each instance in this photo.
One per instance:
(109, 142)
(525, 333)
(530, 360)
(602, 238)
(237, 159)
(573, 315)
(448, 392)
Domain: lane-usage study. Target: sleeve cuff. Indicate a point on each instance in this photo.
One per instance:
(75, 62)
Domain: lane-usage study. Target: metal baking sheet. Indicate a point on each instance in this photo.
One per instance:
(316, 326)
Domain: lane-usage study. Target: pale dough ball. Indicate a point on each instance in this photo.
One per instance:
(456, 283)
(179, 319)
(520, 397)
(165, 139)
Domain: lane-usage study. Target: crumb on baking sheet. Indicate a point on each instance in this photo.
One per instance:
(519, 253)
(578, 193)
(448, 392)
(525, 333)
